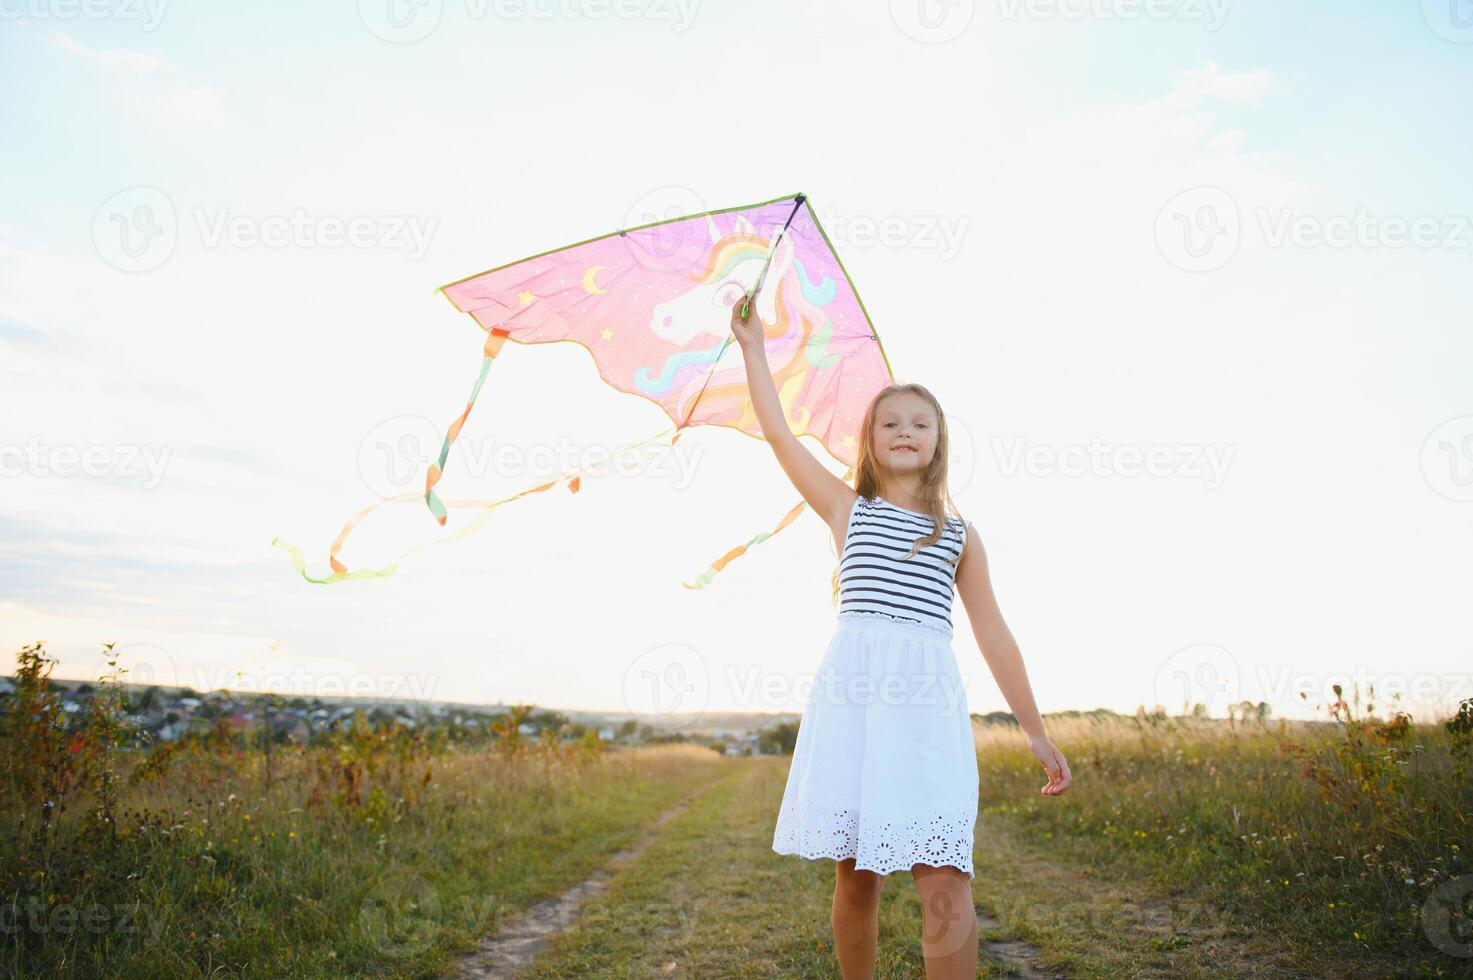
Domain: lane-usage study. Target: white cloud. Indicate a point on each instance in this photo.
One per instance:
(118, 58)
(1173, 129)
(137, 76)
(194, 106)
(1210, 81)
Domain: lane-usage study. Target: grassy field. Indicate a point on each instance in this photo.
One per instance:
(1187, 847)
(1344, 844)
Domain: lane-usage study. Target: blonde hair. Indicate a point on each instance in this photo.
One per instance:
(933, 490)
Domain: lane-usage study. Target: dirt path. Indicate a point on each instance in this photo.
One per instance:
(506, 952)
(701, 894)
(1013, 958)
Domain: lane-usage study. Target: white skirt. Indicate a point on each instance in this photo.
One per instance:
(884, 770)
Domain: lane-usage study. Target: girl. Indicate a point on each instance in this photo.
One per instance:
(884, 772)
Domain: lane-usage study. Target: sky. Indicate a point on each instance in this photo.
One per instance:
(1190, 279)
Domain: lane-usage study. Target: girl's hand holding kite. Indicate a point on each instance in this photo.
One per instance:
(747, 330)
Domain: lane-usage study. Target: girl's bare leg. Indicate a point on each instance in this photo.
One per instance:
(948, 922)
(856, 919)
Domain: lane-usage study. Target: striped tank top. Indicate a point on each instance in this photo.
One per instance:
(877, 579)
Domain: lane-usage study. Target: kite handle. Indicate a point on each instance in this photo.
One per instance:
(762, 276)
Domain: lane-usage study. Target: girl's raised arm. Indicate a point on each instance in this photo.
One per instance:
(829, 496)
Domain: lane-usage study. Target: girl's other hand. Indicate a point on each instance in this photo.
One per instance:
(1054, 764)
(748, 332)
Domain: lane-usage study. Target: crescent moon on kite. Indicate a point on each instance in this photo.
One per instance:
(588, 282)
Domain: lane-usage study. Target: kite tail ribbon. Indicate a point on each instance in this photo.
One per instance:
(704, 578)
(495, 338)
(340, 572)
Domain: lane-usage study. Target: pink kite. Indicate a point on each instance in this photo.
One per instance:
(652, 305)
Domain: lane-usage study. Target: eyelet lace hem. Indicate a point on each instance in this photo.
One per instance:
(855, 614)
(940, 837)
